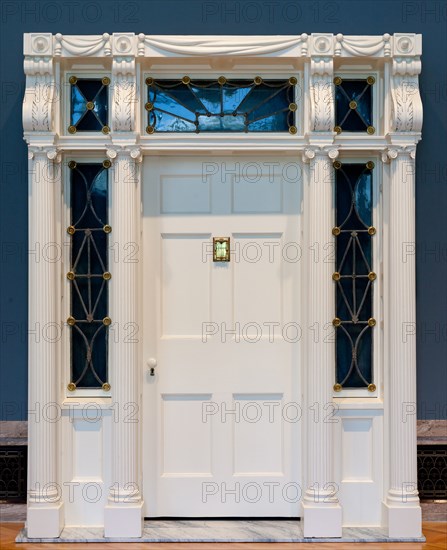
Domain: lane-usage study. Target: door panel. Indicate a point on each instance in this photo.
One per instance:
(219, 438)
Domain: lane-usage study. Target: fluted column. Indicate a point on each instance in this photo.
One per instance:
(45, 509)
(322, 512)
(123, 513)
(402, 502)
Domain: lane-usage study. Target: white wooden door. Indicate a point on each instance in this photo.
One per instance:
(222, 414)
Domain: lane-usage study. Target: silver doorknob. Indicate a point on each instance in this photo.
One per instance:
(152, 363)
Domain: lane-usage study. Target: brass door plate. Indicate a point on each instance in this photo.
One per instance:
(221, 249)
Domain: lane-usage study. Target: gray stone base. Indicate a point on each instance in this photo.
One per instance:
(221, 531)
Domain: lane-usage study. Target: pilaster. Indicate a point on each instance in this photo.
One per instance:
(123, 513)
(402, 506)
(322, 511)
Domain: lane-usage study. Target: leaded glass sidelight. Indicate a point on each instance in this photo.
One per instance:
(221, 105)
(89, 275)
(353, 105)
(354, 276)
(89, 105)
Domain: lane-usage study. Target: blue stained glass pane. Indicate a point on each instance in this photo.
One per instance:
(208, 106)
(226, 123)
(78, 103)
(89, 262)
(361, 337)
(170, 123)
(358, 119)
(210, 97)
(354, 264)
(87, 91)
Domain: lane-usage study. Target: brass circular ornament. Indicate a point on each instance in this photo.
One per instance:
(107, 321)
(372, 276)
(149, 106)
(336, 231)
(71, 321)
(337, 81)
(338, 130)
(150, 129)
(186, 80)
(371, 80)
(72, 129)
(292, 130)
(107, 276)
(353, 105)
(70, 276)
(71, 386)
(90, 105)
(338, 387)
(257, 80)
(107, 229)
(106, 386)
(336, 276)
(337, 164)
(72, 165)
(336, 322)
(222, 80)
(149, 81)
(371, 230)
(372, 388)
(370, 165)
(106, 81)
(371, 322)
(71, 230)
(72, 80)
(106, 164)
(293, 81)
(105, 130)
(293, 107)
(370, 130)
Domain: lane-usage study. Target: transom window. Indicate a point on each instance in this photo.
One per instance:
(221, 105)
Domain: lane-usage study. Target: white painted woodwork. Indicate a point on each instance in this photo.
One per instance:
(125, 497)
(402, 501)
(370, 427)
(45, 508)
(358, 465)
(225, 372)
(320, 499)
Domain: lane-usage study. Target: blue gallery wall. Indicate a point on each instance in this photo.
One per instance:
(228, 17)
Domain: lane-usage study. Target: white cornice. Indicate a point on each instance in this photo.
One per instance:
(141, 45)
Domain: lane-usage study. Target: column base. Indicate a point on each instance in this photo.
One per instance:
(123, 520)
(44, 521)
(403, 521)
(322, 521)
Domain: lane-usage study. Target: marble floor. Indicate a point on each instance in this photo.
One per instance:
(220, 531)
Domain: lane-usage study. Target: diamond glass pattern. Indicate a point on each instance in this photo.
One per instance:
(89, 105)
(353, 105)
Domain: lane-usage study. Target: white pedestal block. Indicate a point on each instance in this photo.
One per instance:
(322, 521)
(123, 520)
(403, 521)
(44, 521)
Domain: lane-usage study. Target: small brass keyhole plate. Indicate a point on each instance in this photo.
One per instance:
(221, 249)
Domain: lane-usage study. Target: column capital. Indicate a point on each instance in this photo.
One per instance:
(52, 153)
(133, 152)
(395, 151)
(313, 151)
